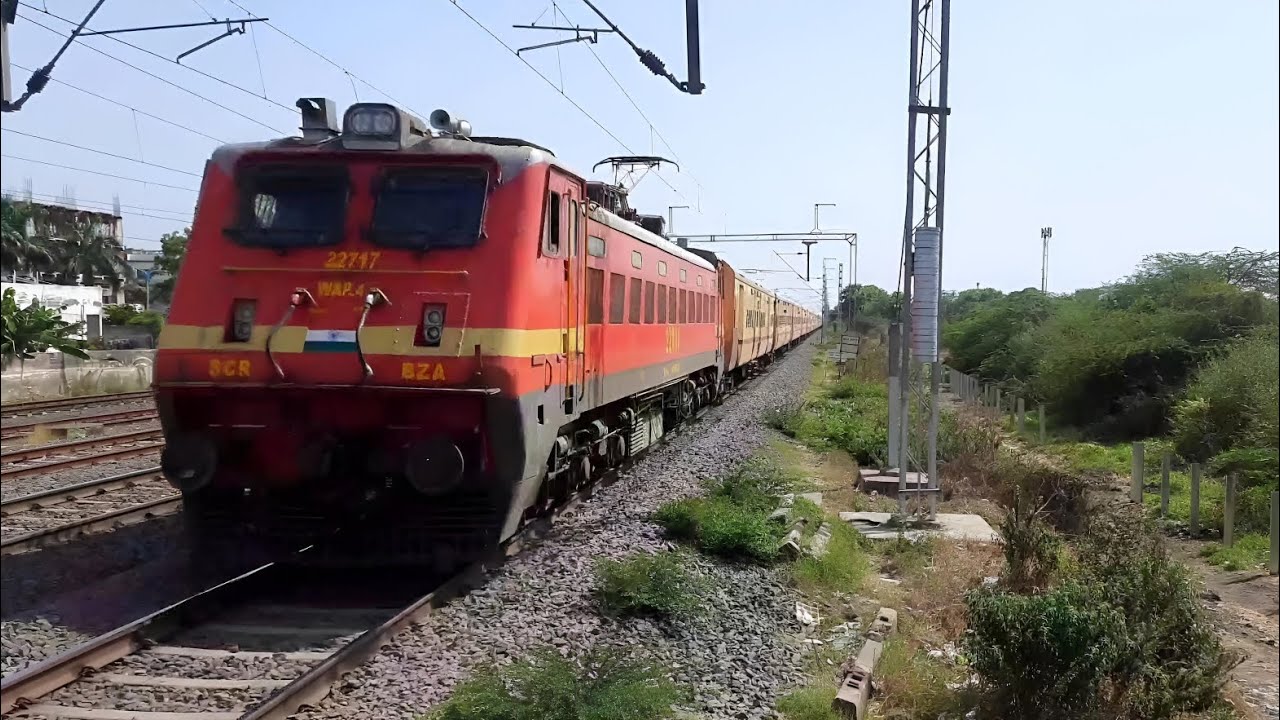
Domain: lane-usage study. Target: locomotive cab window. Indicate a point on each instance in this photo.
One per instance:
(423, 208)
(551, 241)
(284, 207)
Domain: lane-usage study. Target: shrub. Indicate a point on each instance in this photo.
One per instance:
(647, 584)
(1233, 401)
(732, 531)
(681, 518)
(1043, 656)
(1032, 551)
(733, 520)
(604, 685)
(809, 703)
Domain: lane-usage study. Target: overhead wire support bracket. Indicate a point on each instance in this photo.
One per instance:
(580, 34)
(234, 27)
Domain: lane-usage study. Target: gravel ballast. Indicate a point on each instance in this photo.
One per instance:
(735, 656)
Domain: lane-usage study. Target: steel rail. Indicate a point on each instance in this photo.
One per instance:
(13, 409)
(40, 451)
(80, 461)
(70, 493)
(122, 517)
(112, 418)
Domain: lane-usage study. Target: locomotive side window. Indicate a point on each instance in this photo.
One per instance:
(684, 307)
(648, 302)
(551, 243)
(285, 207)
(424, 208)
(617, 298)
(662, 304)
(637, 260)
(662, 268)
(595, 296)
(671, 318)
(634, 309)
(595, 246)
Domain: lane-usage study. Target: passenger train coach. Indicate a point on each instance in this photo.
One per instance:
(424, 339)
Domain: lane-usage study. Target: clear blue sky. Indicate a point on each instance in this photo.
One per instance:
(1130, 127)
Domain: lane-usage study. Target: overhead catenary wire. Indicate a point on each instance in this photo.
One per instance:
(99, 152)
(127, 106)
(157, 55)
(332, 62)
(98, 172)
(166, 81)
(562, 93)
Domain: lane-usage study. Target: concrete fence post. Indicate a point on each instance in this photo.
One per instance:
(1165, 462)
(1022, 415)
(1229, 512)
(999, 400)
(1139, 464)
(1040, 411)
(1195, 499)
(1273, 560)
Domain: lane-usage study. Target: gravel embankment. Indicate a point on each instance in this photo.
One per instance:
(57, 514)
(735, 656)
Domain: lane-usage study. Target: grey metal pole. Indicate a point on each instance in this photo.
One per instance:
(1165, 463)
(895, 387)
(1273, 561)
(1139, 465)
(908, 266)
(1229, 512)
(935, 371)
(1195, 500)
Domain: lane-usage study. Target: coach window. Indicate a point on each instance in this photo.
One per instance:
(634, 309)
(551, 243)
(684, 275)
(637, 260)
(662, 268)
(617, 298)
(671, 318)
(595, 246)
(648, 302)
(595, 296)
(662, 304)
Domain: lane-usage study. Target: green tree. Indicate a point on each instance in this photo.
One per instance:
(82, 251)
(872, 303)
(21, 251)
(956, 306)
(35, 329)
(173, 249)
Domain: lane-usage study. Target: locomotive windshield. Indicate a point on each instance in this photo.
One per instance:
(430, 207)
(291, 207)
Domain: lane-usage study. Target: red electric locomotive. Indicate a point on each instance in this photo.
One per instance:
(421, 339)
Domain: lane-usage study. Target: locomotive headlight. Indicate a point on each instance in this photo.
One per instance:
(432, 325)
(369, 119)
(242, 316)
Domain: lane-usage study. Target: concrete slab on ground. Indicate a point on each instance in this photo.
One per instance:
(966, 526)
(887, 484)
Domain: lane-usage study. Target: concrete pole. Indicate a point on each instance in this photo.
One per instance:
(1040, 410)
(1022, 416)
(1195, 499)
(999, 399)
(895, 389)
(1165, 462)
(1229, 513)
(1139, 464)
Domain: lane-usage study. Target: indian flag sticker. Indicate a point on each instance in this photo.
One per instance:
(330, 341)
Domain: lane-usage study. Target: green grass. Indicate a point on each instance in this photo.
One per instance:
(1249, 552)
(905, 557)
(648, 585)
(1089, 458)
(915, 684)
(605, 685)
(717, 526)
(809, 703)
(851, 414)
(842, 569)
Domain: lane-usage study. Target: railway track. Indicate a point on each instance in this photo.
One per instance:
(118, 417)
(219, 641)
(41, 519)
(14, 410)
(139, 442)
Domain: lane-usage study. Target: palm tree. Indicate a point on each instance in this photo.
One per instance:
(83, 251)
(21, 250)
